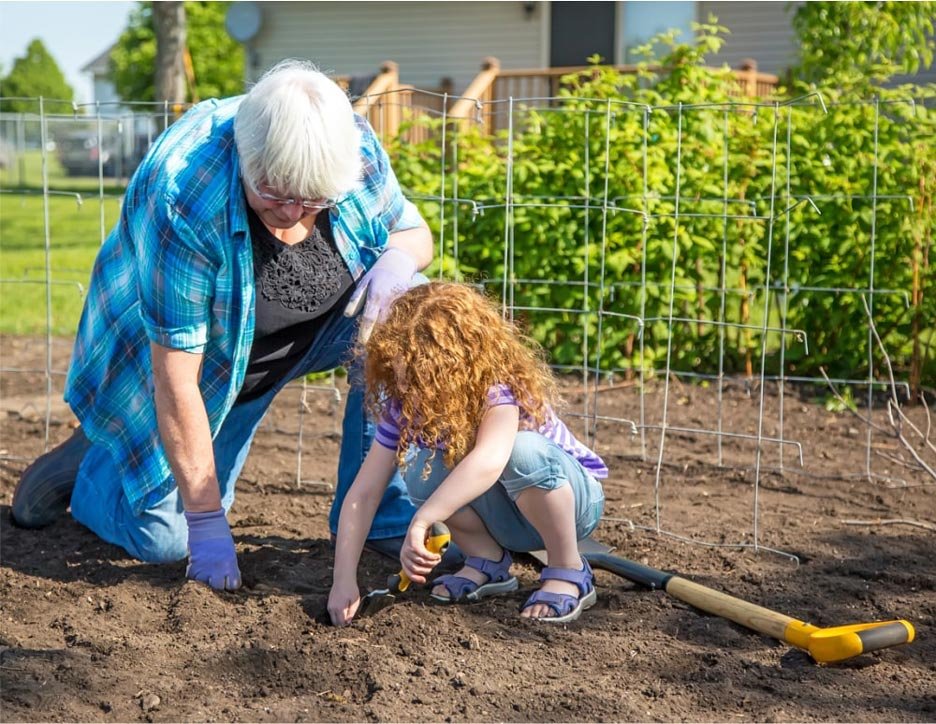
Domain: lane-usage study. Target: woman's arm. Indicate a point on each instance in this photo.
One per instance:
(354, 522)
(184, 428)
(415, 242)
(476, 472)
(407, 251)
(186, 438)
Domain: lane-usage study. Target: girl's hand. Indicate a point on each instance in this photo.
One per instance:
(343, 602)
(416, 559)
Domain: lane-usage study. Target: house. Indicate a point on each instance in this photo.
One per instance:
(104, 95)
(441, 44)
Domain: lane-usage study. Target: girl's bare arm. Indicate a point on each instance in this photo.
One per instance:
(476, 472)
(358, 509)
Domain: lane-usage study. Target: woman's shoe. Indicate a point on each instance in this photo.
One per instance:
(461, 590)
(45, 487)
(566, 606)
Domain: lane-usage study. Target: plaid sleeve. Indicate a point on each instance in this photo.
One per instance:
(176, 279)
(396, 212)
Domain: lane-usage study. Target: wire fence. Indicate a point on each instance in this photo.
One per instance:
(90, 152)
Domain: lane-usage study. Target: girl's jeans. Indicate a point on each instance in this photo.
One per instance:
(160, 534)
(534, 462)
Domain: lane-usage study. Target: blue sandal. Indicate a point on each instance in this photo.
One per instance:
(461, 590)
(566, 607)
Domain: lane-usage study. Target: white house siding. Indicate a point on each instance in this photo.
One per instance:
(432, 40)
(106, 95)
(763, 31)
(760, 30)
(429, 40)
(924, 76)
(103, 91)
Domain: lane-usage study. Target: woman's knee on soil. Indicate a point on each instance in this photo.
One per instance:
(157, 535)
(159, 540)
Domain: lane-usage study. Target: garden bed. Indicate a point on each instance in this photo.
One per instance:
(87, 633)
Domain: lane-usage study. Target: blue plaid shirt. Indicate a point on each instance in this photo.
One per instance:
(178, 270)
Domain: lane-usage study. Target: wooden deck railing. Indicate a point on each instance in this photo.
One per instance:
(494, 84)
(387, 103)
(752, 83)
(545, 82)
(378, 103)
(480, 91)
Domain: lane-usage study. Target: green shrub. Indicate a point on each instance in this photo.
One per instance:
(564, 202)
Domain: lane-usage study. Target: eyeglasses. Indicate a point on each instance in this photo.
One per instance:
(307, 204)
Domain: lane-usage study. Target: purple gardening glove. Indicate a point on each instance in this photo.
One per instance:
(388, 278)
(212, 558)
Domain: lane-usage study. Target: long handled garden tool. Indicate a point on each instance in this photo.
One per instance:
(825, 645)
(438, 538)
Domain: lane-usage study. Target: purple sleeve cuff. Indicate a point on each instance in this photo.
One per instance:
(500, 395)
(388, 433)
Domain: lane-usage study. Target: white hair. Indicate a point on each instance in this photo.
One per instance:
(295, 132)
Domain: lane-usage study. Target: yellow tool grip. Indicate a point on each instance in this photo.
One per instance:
(828, 645)
(438, 538)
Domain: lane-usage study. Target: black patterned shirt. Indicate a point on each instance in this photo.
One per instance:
(297, 286)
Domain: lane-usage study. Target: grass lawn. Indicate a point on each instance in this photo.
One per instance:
(80, 216)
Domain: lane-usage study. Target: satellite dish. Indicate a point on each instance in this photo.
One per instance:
(243, 20)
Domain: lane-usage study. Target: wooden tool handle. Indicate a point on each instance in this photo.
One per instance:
(825, 645)
(734, 609)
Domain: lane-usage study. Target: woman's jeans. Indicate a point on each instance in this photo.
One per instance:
(160, 533)
(534, 462)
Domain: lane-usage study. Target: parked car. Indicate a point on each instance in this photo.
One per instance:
(81, 153)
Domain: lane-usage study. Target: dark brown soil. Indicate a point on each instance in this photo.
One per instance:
(87, 634)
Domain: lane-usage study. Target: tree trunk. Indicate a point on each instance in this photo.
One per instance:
(169, 24)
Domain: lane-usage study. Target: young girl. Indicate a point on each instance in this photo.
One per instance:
(463, 404)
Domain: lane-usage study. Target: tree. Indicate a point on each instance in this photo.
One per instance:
(34, 74)
(217, 59)
(169, 27)
(860, 43)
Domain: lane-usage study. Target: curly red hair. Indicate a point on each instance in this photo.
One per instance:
(440, 350)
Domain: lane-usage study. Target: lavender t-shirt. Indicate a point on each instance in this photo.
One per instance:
(554, 429)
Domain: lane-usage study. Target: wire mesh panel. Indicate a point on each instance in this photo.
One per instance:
(668, 247)
(674, 261)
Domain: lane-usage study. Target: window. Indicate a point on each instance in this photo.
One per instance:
(640, 21)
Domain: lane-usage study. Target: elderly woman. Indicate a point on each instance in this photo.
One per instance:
(249, 229)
